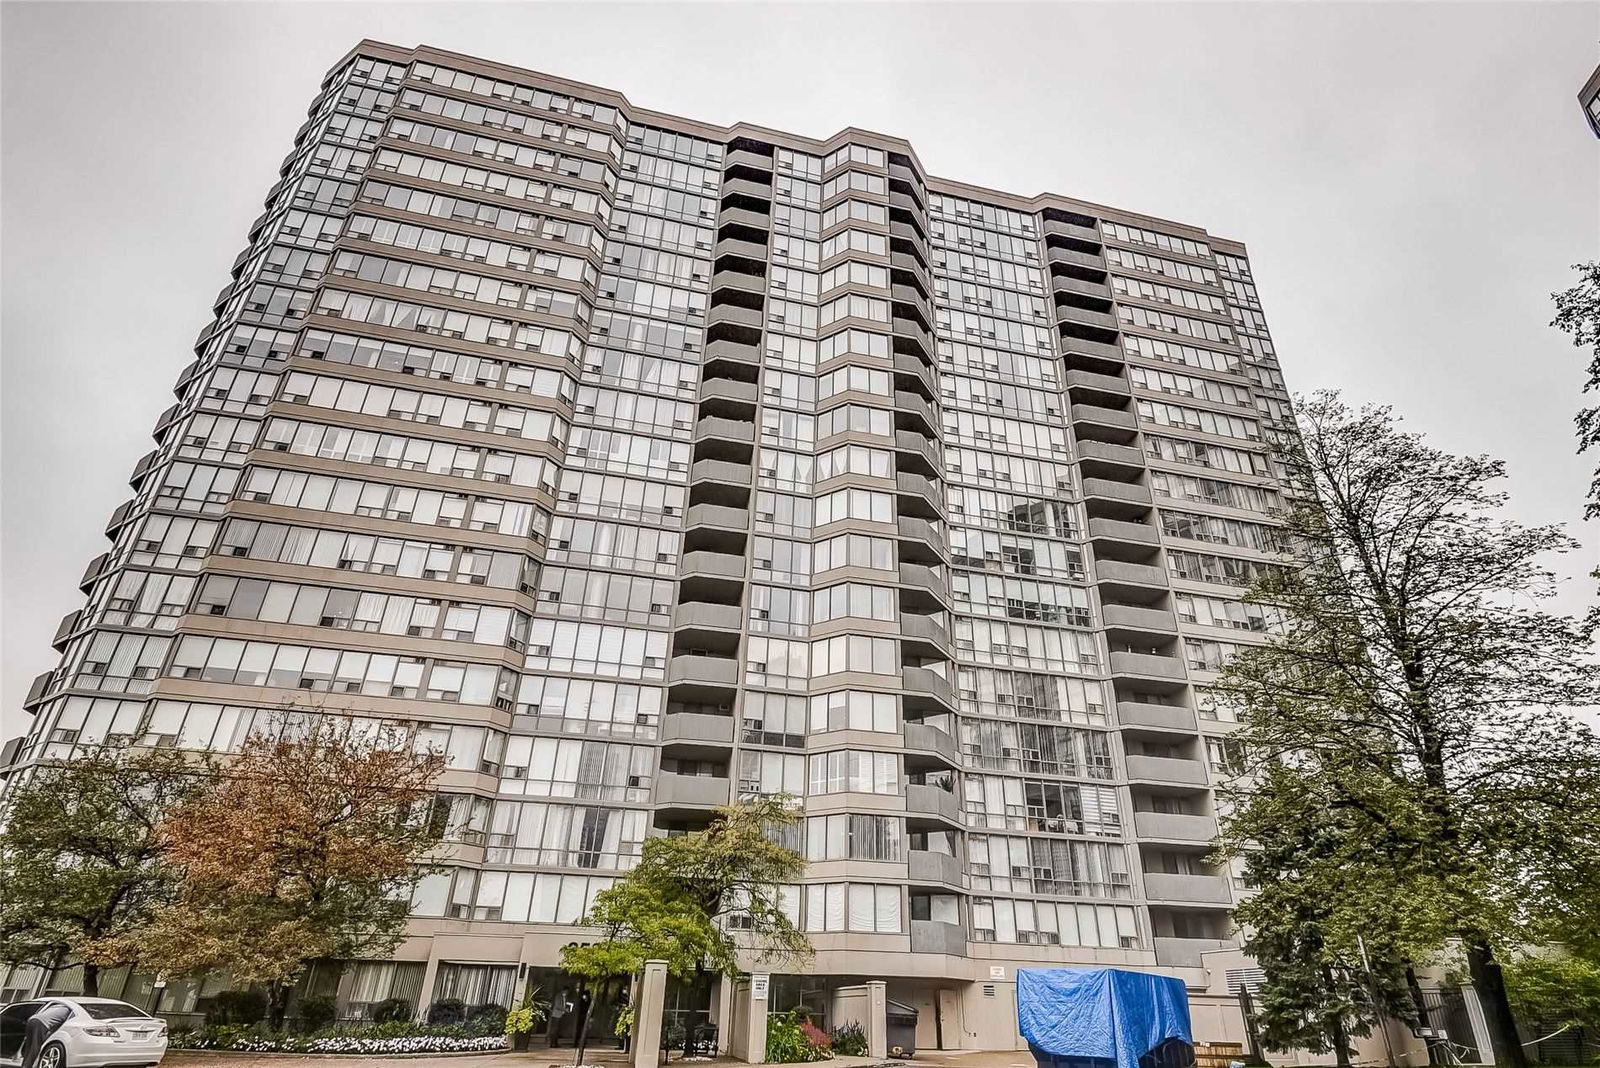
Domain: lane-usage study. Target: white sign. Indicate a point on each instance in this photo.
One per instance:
(758, 986)
(997, 971)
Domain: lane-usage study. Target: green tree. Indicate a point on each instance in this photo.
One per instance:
(304, 847)
(1578, 314)
(1325, 922)
(1555, 990)
(1418, 676)
(81, 862)
(690, 892)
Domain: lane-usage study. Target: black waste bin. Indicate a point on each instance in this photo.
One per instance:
(901, 1032)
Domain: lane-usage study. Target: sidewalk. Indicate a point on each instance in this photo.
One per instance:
(561, 1058)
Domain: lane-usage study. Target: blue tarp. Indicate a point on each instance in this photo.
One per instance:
(1100, 1012)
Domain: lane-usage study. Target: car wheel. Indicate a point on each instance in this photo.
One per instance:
(53, 1056)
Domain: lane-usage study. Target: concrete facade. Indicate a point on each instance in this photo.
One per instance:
(640, 465)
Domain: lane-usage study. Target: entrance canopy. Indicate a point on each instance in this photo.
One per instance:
(1104, 1013)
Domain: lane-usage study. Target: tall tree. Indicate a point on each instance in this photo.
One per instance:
(81, 860)
(1578, 314)
(693, 898)
(1327, 923)
(1418, 671)
(306, 847)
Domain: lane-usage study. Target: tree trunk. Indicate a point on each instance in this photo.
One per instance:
(1419, 1004)
(1335, 1023)
(91, 980)
(1491, 987)
(277, 1004)
(1341, 1045)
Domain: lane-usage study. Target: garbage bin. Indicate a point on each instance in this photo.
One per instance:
(901, 1030)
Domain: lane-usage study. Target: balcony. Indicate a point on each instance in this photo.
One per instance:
(917, 629)
(118, 517)
(1070, 258)
(1187, 889)
(735, 248)
(925, 866)
(728, 390)
(142, 468)
(907, 364)
(930, 802)
(1118, 491)
(909, 441)
(742, 353)
(709, 565)
(914, 529)
(1172, 770)
(1107, 498)
(92, 572)
(1147, 665)
(724, 471)
(1174, 826)
(1159, 717)
(744, 157)
(1067, 284)
(926, 738)
(65, 629)
(1117, 573)
(1090, 387)
(692, 670)
(37, 689)
(744, 218)
(716, 515)
(734, 315)
(1142, 534)
(1092, 454)
(1104, 424)
(690, 791)
(1099, 350)
(926, 690)
(1140, 620)
(919, 495)
(752, 284)
(935, 936)
(707, 615)
(715, 427)
(745, 187)
(1067, 313)
(908, 402)
(1186, 952)
(1062, 228)
(697, 734)
(927, 580)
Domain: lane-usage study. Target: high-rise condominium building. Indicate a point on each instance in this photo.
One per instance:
(640, 464)
(1589, 97)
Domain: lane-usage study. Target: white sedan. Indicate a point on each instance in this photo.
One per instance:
(99, 1032)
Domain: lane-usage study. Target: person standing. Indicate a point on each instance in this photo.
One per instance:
(560, 1006)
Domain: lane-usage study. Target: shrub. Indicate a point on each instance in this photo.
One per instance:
(849, 1040)
(488, 1018)
(793, 1039)
(390, 1010)
(238, 1008)
(315, 1012)
(525, 1017)
(447, 1011)
(387, 1038)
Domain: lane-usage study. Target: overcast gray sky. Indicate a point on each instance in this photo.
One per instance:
(1412, 180)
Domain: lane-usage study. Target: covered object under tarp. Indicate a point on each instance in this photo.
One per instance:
(1104, 1015)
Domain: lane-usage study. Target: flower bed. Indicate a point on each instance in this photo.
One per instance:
(380, 1039)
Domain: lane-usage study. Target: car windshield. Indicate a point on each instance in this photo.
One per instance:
(111, 1010)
